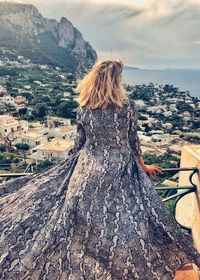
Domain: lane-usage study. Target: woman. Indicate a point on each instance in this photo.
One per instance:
(96, 214)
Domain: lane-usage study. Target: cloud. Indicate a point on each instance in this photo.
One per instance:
(145, 33)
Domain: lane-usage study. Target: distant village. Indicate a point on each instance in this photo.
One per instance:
(168, 118)
(46, 141)
(37, 116)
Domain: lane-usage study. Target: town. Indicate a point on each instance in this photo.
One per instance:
(37, 117)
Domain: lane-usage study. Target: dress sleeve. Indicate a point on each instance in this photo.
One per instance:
(80, 138)
(133, 134)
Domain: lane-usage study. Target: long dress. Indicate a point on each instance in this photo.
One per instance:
(94, 215)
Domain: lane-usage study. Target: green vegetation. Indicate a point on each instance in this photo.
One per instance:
(44, 90)
(22, 146)
(166, 104)
(144, 92)
(164, 161)
(43, 164)
(66, 109)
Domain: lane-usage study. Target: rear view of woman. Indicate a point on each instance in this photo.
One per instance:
(96, 214)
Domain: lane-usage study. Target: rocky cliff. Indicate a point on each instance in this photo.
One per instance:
(24, 31)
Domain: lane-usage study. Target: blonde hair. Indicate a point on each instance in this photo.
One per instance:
(102, 86)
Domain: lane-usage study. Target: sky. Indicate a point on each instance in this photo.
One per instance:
(151, 34)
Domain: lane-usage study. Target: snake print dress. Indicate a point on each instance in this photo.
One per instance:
(94, 215)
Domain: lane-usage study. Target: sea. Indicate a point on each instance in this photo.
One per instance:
(184, 79)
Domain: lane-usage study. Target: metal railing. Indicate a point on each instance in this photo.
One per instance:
(14, 175)
(169, 191)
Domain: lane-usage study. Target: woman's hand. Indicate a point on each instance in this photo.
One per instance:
(152, 169)
(149, 169)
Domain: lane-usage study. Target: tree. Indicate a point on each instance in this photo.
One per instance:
(2, 148)
(196, 125)
(44, 164)
(170, 89)
(182, 106)
(66, 109)
(22, 147)
(46, 98)
(142, 118)
(28, 95)
(147, 128)
(41, 110)
(22, 111)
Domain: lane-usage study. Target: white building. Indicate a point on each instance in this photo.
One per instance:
(154, 109)
(167, 114)
(167, 125)
(172, 107)
(38, 83)
(140, 103)
(66, 132)
(7, 100)
(54, 150)
(27, 87)
(32, 138)
(18, 102)
(56, 122)
(161, 137)
(11, 128)
(66, 94)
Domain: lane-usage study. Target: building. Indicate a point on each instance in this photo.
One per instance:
(140, 103)
(32, 138)
(54, 150)
(172, 107)
(165, 137)
(167, 125)
(17, 102)
(154, 109)
(7, 100)
(27, 87)
(20, 100)
(56, 122)
(66, 132)
(11, 128)
(36, 125)
(67, 94)
(167, 114)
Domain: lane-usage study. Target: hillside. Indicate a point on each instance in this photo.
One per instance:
(24, 32)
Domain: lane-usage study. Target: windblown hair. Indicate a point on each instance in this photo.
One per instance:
(102, 86)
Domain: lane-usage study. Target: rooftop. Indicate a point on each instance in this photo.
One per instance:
(56, 118)
(57, 145)
(67, 128)
(7, 119)
(33, 136)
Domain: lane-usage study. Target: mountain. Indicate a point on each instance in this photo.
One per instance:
(25, 32)
(131, 68)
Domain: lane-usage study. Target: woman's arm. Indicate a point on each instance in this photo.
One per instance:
(141, 162)
(150, 169)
